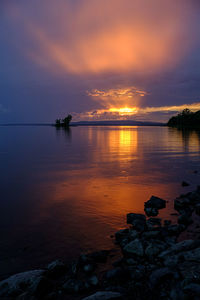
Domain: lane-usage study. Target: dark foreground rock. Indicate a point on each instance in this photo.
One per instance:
(153, 264)
(19, 283)
(155, 202)
(104, 296)
(152, 206)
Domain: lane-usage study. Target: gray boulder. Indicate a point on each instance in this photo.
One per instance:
(104, 295)
(137, 220)
(181, 203)
(155, 202)
(197, 209)
(151, 211)
(182, 256)
(152, 234)
(153, 223)
(21, 282)
(117, 275)
(93, 280)
(121, 234)
(158, 275)
(175, 229)
(56, 269)
(73, 285)
(185, 219)
(192, 289)
(179, 247)
(134, 248)
(190, 271)
(154, 248)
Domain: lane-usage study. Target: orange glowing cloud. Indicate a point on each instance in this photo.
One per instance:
(118, 99)
(123, 113)
(95, 36)
(117, 93)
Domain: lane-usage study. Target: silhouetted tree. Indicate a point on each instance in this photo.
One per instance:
(58, 121)
(67, 120)
(185, 119)
(64, 122)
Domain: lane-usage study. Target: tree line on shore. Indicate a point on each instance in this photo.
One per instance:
(63, 122)
(185, 119)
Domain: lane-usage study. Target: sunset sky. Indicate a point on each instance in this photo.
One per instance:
(98, 59)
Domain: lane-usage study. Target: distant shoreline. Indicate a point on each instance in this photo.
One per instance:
(96, 123)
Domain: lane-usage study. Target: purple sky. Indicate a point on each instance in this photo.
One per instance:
(116, 59)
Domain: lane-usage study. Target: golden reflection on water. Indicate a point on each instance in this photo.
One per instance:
(123, 168)
(75, 187)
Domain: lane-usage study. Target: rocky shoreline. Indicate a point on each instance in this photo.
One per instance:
(153, 262)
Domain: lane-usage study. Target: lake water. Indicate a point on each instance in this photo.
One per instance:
(65, 192)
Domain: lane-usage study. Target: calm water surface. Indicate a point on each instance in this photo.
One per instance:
(65, 192)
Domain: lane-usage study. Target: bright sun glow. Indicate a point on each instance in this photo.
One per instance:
(124, 110)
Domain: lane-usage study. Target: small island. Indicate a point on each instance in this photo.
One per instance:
(186, 119)
(63, 122)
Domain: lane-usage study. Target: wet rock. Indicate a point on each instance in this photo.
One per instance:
(192, 255)
(175, 229)
(185, 219)
(176, 293)
(153, 223)
(41, 287)
(184, 183)
(151, 234)
(194, 197)
(19, 283)
(93, 280)
(133, 234)
(73, 286)
(55, 269)
(132, 217)
(137, 273)
(131, 262)
(117, 275)
(104, 295)
(24, 296)
(155, 202)
(118, 263)
(151, 211)
(84, 259)
(74, 267)
(134, 248)
(179, 247)
(171, 261)
(197, 209)
(121, 234)
(124, 242)
(86, 263)
(181, 203)
(137, 220)
(183, 256)
(88, 268)
(159, 275)
(190, 271)
(154, 248)
(167, 222)
(170, 240)
(192, 289)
